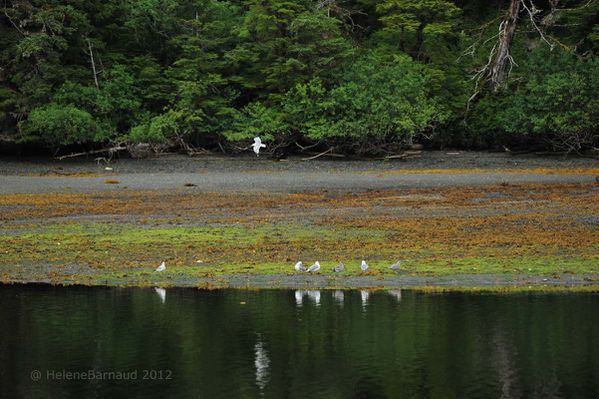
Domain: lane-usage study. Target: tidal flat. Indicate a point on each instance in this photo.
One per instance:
(502, 234)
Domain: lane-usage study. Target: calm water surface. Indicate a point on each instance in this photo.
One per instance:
(286, 344)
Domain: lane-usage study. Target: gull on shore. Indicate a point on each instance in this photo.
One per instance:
(395, 266)
(257, 145)
(339, 268)
(299, 267)
(161, 268)
(364, 266)
(314, 268)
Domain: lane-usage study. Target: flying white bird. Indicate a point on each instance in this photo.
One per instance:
(339, 268)
(395, 266)
(299, 267)
(161, 268)
(161, 293)
(364, 266)
(257, 145)
(314, 268)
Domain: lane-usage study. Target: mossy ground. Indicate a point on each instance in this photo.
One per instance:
(548, 230)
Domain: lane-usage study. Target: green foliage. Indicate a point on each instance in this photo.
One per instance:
(59, 125)
(159, 129)
(203, 72)
(415, 25)
(257, 120)
(557, 103)
(377, 100)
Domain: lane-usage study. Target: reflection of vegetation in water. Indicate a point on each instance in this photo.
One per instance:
(423, 346)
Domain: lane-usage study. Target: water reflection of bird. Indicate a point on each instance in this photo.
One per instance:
(315, 296)
(364, 294)
(299, 267)
(299, 297)
(339, 268)
(339, 296)
(161, 293)
(314, 268)
(364, 266)
(395, 294)
(257, 145)
(161, 268)
(395, 266)
(262, 363)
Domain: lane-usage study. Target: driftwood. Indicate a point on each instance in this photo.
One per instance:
(110, 150)
(410, 154)
(328, 153)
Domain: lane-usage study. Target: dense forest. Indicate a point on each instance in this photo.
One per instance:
(362, 76)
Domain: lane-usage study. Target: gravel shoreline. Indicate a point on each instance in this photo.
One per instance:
(246, 174)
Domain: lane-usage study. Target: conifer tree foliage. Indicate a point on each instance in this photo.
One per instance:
(365, 76)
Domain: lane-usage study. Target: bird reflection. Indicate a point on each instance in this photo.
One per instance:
(395, 294)
(315, 296)
(262, 364)
(339, 296)
(364, 294)
(299, 297)
(161, 293)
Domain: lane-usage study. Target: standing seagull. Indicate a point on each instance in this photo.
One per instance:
(257, 145)
(161, 268)
(339, 268)
(314, 268)
(395, 266)
(364, 266)
(299, 267)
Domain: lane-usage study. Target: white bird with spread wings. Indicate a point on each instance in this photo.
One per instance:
(257, 145)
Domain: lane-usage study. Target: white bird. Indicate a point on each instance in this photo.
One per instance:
(339, 268)
(257, 145)
(299, 267)
(395, 266)
(364, 266)
(161, 268)
(314, 268)
(161, 293)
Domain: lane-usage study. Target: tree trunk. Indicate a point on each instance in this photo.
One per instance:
(91, 56)
(501, 65)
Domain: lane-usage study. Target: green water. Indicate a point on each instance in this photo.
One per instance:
(283, 344)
